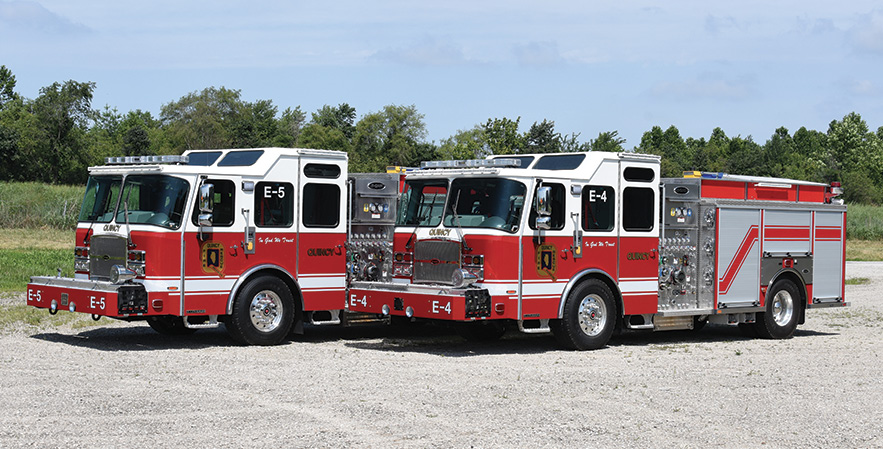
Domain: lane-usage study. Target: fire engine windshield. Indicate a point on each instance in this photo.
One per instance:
(153, 199)
(422, 202)
(102, 193)
(494, 203)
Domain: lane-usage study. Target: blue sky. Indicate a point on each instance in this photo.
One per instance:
(747, 66)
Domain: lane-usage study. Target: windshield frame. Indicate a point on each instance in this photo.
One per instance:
(175, 191)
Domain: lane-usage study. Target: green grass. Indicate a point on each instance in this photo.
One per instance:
(858, 281)
(17, 316)
(33, 252)
(35, 205)
(18, 265)
(864, 222)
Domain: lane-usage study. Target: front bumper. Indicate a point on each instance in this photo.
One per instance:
(93, 297)
(422, 301)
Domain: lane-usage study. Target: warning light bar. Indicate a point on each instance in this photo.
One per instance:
(703, 174)
(472, 163)
(135, 160)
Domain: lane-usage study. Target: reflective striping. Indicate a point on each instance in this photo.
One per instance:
(630, 286)
(312, 282)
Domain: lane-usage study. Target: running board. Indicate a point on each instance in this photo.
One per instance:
(212, 323)
(325, 318)
(534, 326)
(360, 319)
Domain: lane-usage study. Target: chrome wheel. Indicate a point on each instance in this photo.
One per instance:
(266, 311)
(592, 315)
(783, 307)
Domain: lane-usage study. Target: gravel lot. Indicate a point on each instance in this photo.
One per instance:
(121, 384)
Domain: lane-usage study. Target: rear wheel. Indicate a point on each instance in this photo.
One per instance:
(589, 317)
(779, 320)
(169, 325)
(262, 312)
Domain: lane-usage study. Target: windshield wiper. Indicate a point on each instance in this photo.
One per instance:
(457, 218)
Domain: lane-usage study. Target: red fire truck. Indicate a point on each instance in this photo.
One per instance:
(583, 244)
(580, 244)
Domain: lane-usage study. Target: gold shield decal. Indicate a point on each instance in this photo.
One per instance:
(547, 260)
(213, 258)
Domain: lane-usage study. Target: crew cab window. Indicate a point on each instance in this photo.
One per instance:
(598, 208)
(274, 204)
(321, 205)
(224, 207)
(558, 206)
(637, 208)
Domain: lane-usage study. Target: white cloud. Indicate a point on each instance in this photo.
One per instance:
(32, 16)
(538, 54)
(429, 51)
(867, 34)
(709, 85)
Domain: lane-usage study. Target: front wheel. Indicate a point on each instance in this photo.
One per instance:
(589, 317)
(779, 320)
(262, 312)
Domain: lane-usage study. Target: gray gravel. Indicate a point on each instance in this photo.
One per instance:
(120, 384)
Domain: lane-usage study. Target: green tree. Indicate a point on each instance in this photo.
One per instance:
(219, 118)
(502, 136)
(744, 157)
(61, 118)
(7, 86)
(393, 136)
(342, 117)
(289, 127)
(542, 138)
(676, 157)
(607, 141)
(465, 144)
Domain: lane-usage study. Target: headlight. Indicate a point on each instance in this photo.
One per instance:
(461, 278)
(120, 274)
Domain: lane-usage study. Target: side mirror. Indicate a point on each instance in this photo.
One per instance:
(206, 204)
(544, 207)
(544, 201)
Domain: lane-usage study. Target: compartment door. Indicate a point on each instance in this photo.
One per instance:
(738, 258)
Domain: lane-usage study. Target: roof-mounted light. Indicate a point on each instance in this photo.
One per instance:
(472, 163)
(135, 160)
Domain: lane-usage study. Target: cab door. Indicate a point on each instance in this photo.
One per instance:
(639, 236)
(321, 256)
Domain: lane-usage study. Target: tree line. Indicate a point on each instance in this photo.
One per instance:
(53, 138)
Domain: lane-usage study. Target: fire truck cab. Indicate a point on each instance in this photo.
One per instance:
(584, 244)
(253, 238)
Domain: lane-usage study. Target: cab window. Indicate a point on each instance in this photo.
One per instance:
(274, 204)
(321, 205)
(224, 207)
(558, 206)
(597, 208)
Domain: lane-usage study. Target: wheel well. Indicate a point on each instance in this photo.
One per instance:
(801, 288)
(603, 277)
(282, 276)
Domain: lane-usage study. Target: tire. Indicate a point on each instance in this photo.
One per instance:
(589, 317)
(168, 325)
(481, 330)
(263, 312)
(782, 313)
